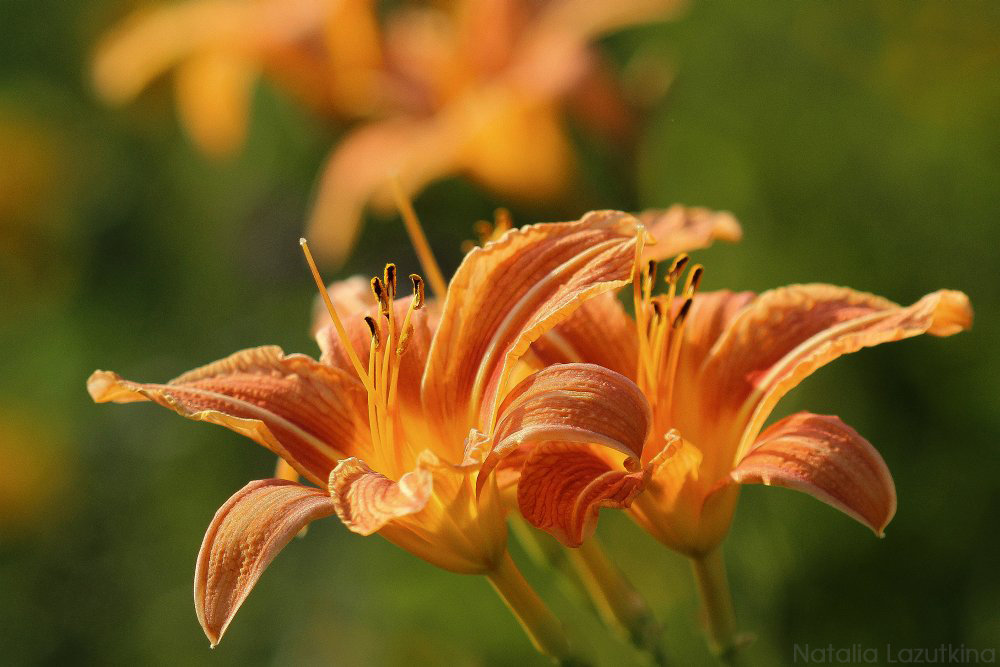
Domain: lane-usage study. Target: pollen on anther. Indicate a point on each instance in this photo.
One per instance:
(682, 313)
(390, 278)
(373, 327)
(418, 291)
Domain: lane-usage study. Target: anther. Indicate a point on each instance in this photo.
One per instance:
(651, 271)
(694, 279)
(390, 279)
(658, 309)
(378, 289)
(676, 267)
(418, 291)
(373, 327)
(682, 314)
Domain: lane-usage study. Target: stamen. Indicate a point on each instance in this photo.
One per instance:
(676, 268)
(418, 291)
(693, 280)
(419, 240)
(682, 314)
(338, 325)
(651, 270)
(378, 289)
(390, 279)
(376, 334)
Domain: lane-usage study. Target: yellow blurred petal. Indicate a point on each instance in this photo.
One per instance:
(213, 98)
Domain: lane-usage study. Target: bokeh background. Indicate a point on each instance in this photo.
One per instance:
(858, 143)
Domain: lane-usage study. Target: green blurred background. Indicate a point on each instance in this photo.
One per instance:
(859, 144)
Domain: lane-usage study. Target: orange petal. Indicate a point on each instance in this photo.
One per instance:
(305, 412)
(432, 511)
(414, 359)
(361, 166)
(599, 332)
(505, 295)
(563, 487)
(685, 228)
(579, 403)
(213, 97)
(353, 299)
(367, 500)
(786, 334)
(824, 457)
(242, 540)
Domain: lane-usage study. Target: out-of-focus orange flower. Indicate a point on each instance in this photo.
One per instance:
(393, 423)
(472, 87)
(713, 367)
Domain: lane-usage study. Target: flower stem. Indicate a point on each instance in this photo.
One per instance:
(618, 603)
(710, 573)
(542, 627)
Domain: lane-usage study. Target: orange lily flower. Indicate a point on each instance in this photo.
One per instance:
(470, 88)
(393, 423)
(713, 367)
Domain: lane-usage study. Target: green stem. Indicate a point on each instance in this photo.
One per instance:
(617, 601)
(542, 627)
(710, 573)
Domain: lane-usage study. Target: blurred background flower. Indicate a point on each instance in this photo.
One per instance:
(471, 87)
(856, 143)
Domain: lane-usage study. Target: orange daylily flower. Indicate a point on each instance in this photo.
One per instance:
(476, 87)
(713, 367)
(394, 421)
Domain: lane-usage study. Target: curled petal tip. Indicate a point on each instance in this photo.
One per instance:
(952, 313)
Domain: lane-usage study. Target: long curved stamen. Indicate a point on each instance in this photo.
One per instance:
(372, 406)
(438, 284)
(338, 325)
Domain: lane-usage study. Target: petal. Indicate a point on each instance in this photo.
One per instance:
(242, 540)
(824, 457)
(213, 96)
(432, 511)
(788, 333)
(353, 299)
(305, 412)
(582, 403)
(367, 500)
(685, 228)
(361, 166)
(414, 359)
(504, 296)
(599, 332)
(563, 487)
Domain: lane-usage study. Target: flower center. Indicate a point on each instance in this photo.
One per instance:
(660, 322)
(389, 341)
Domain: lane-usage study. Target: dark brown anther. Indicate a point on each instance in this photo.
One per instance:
(658, 309)
(373, 327)
(651, 271)
(676, 268)
(695, 279)
(390, 279)
(682, 313)
(418, 291)
(378, 289)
